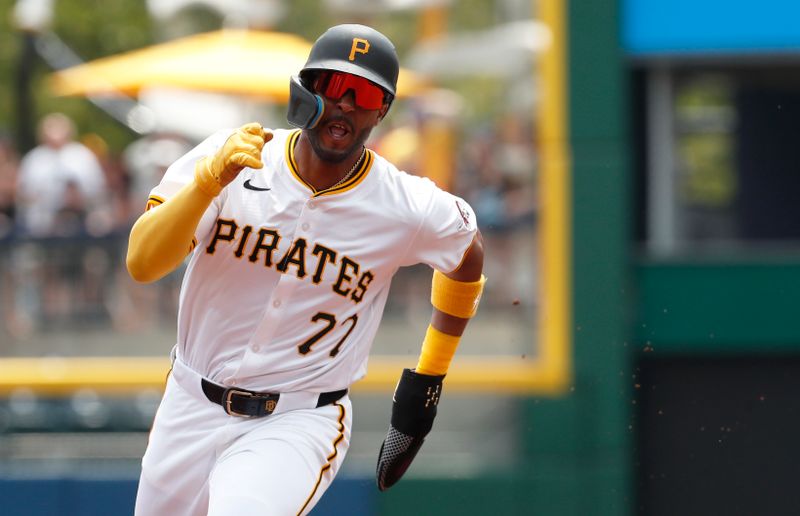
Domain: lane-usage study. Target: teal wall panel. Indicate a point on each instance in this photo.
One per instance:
(578, 446)
(718, 306)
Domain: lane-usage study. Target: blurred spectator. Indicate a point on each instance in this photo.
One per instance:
(146, 160)
(61, 191)
(135, 305)
(497, 176)
(60, 174)
(499, 172)
(116, 212)
(9, 165)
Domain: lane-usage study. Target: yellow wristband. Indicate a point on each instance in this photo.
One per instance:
(456, 298)
(437, 351)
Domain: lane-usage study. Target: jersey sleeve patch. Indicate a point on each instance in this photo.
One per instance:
(466, 220)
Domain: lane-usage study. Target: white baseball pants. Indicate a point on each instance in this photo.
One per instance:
(200, 460)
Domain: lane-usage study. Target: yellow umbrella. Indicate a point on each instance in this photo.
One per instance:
(244, 62)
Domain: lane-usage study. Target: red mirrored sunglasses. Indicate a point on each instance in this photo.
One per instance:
(335, 84)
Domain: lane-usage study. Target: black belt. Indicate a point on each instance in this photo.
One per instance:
(241, 402)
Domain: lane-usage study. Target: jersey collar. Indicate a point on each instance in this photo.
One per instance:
(351, 183)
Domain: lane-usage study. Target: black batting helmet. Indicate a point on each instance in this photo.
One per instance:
(350, 48)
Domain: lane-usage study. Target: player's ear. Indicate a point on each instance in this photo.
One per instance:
(384, 109)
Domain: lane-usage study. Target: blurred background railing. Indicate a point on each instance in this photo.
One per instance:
(63, 285)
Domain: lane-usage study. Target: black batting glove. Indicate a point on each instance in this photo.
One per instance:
(413, 411)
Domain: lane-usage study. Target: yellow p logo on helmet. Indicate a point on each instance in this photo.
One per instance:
(359, 45)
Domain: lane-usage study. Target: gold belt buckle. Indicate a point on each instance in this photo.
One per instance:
(228, 395)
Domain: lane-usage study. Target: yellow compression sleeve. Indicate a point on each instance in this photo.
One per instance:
(162, 237)
(457, 299)
(437, 351)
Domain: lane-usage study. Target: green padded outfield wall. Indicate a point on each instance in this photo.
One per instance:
(590, 428)
(577, 445)
(735, 306)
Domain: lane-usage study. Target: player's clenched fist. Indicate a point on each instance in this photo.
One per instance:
(242, 149)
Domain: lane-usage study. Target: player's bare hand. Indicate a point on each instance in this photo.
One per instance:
(241, 149)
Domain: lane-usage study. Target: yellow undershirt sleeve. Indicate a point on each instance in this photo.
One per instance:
(162, 237)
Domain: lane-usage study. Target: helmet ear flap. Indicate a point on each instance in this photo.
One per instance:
(305, 107)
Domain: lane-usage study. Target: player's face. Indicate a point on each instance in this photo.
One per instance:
(353, 108)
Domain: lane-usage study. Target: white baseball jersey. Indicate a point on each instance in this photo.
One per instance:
(286, 286)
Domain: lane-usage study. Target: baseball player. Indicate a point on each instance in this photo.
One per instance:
(293, 237)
